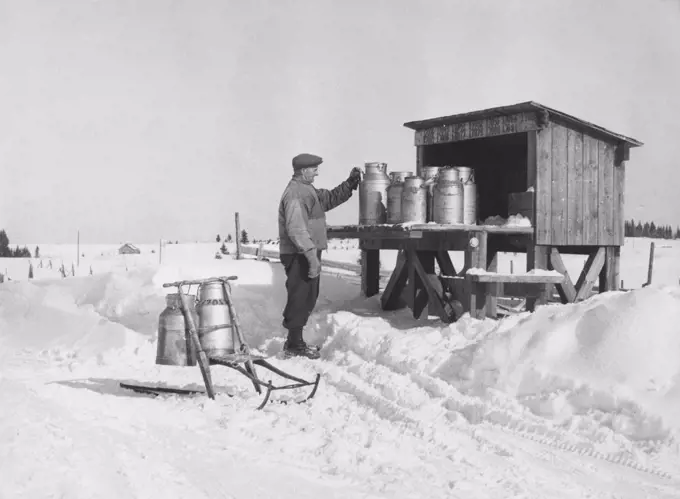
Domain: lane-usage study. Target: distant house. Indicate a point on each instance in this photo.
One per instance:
(128, 249)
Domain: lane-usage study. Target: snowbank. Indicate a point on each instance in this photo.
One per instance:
(400, 398)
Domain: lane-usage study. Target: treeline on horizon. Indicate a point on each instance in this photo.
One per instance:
(649, 229)
(7, 252)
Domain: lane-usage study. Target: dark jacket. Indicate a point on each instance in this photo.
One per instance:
(302, 215)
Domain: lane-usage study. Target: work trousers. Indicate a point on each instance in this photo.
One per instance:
(302, 294)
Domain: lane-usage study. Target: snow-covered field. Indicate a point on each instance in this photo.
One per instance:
(572, 401)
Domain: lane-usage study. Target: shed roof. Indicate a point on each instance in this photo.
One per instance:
(522, 107)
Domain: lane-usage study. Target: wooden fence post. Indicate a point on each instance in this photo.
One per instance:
(650, 268)
(238, 237)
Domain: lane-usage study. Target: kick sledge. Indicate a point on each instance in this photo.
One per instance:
(224, 341)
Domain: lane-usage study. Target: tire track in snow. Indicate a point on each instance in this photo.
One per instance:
(475, 410)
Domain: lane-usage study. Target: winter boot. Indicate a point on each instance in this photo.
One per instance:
(300, 350)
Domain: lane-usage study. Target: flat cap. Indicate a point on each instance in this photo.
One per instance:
(305, 160)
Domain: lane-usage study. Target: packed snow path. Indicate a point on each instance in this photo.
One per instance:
(537, 406)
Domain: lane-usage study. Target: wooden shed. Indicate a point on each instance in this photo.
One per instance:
(565, 174)
(128, 249)
(576, 169)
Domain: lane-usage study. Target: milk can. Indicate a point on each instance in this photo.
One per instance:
(373, 194)
(174, 346)
(215, 329)
(448, 198)
(394, 196)
(414, 201)
(467, 179)
(430, 173)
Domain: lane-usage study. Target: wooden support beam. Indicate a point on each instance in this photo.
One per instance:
(495, 289)
(370, 272)
(475, 257)
(411, 283)
(537, 258)
(436, 301)
(532, 154)
(423, 296)
(622, 153)
(391, 297)
(515, 278)
(591, 270)
(609, 275)
(566, 289)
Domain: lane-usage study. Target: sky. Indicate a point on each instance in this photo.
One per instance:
(136, 120)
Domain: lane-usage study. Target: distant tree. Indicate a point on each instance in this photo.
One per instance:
(37, 251)
(224, 249)
(20, 252)
(30, 270)
(244, 237)
(4, 245)
(218, 238)
(229, 238)
(677, 233)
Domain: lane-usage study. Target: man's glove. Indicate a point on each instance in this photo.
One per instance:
(354, 178)
(314, 264)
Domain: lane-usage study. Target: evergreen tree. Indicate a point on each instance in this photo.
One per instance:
(244, 237)
(229, 239)
(37, 251)
(645, 230)
(4, 245)
(218, 238)
(30, 270)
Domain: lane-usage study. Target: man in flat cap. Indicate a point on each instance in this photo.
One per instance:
(302, 236)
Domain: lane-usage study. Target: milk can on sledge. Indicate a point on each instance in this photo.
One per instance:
(215, 328)
(414, 201)
(373, 194)
(174, 346)
(448, 198)
(394, 192)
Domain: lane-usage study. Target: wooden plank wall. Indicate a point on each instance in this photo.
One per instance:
(579, 191)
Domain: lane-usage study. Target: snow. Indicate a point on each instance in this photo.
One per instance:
(572, 401)
(478, 271)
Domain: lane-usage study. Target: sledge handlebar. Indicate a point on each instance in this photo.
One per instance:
(200, 281)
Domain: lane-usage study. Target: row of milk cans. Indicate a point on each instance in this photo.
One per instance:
(443, 194)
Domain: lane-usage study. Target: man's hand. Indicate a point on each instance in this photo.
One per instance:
(314, 264)
(354, 178)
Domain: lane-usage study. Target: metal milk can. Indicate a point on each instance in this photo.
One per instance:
(373, 194)
(215, 329)
(467, 179)
(394, 196)
(174, 346)
(430, 173)
(448, 198)
(414, 201)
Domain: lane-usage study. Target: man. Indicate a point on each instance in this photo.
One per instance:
(302, 236)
